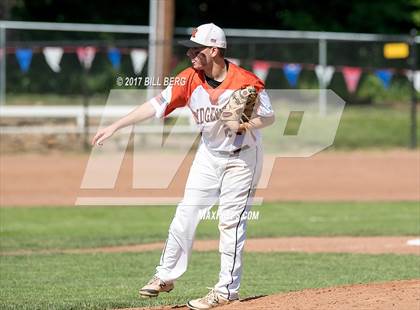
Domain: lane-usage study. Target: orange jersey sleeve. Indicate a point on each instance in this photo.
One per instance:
(176, 95)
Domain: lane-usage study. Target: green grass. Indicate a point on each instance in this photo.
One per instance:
(111, 280)
(78, 227)
(360, 127)
(105, 281)
(367, 127)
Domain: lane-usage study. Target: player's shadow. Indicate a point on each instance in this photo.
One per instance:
(252, 298)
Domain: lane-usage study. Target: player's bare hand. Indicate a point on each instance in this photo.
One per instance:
(102, 135)
(244, 127)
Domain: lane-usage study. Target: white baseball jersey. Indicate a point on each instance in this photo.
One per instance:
(191, 89)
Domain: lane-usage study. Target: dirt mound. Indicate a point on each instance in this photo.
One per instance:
(373, 296)
(391, 295)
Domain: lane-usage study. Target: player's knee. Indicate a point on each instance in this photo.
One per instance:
(227, 223)
(178, 228)
(226, 226)
(183, 227)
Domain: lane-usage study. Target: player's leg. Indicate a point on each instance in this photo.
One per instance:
(238, 182)
(201, 193)
(237, 191)
(177, 250)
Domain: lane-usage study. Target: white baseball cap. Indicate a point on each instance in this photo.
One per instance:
(206, 35)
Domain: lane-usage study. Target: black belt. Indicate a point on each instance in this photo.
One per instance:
(235, 152)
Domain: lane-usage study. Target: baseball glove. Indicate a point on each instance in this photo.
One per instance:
(240, 105)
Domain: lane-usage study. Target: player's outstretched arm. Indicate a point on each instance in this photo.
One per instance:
(141, 113)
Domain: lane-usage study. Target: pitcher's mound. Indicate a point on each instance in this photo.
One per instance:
(379, 296)
(390, 295)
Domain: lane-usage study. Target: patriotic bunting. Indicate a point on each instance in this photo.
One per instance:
(291, 71)
(324, 74)
(138, 59)
(417, 81)
(53, 57)
(24, 57)
(351, 77)
(385, 76)
(260, 68)
(416, 77)
(114, 56)
(86, 56)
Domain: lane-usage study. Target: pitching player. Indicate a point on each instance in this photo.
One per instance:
(226, 167)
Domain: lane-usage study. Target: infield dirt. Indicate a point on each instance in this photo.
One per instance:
(401, 295)
(55, 179)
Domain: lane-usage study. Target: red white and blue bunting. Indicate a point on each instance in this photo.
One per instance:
(324, 74)
(86, 55)
(138, 59)
(53, 57)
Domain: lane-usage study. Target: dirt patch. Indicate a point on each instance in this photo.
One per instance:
(55, 179)
(391, 295)
(366, 245)
(374, 296)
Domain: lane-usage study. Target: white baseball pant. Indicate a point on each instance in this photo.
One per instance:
(232, 180)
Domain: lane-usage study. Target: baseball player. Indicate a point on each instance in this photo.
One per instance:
(226, 167)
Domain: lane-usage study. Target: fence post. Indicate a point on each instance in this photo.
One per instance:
(322, 54)
(2, 64)
(413, 65)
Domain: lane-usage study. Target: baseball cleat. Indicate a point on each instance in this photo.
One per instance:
(154, 287)
(211, 300)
